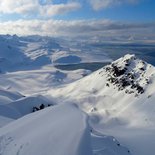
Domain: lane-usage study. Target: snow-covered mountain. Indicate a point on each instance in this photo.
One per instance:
(58, 130)
(80, 110)
(48, 132)
(119, 99)
(22, 136)
(34, 52)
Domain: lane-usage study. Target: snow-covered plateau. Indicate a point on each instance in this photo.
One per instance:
(48, 111)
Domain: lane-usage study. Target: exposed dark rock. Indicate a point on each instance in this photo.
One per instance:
(42, 106)
(117, 71)
(140, 89)
(142, 69)
(124, 77)
(107, 84)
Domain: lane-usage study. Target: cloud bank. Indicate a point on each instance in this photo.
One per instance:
(100, 29)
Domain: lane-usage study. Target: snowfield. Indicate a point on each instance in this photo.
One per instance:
(58, 130)
(34, 52)
(45, 110)
(119, 99)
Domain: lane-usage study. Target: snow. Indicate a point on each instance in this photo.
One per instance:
(41, 79)
(107, 145)
(139, 140)
(59, 130)
(63, 57)
(45, 132)
(113, 110)
(34, 52)
(4, 121)
(108, 112)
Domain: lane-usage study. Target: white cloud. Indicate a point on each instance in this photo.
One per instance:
(102, 4)
(58, 9)
(26, 7)
(19, 6)
(101, 29)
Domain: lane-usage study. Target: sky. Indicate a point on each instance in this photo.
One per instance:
(79, 18)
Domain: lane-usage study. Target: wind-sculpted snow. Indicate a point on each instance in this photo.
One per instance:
(107, 145)
(12, 95)
(57, 130)
(60, 130)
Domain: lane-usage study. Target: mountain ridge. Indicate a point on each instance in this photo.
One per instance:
(116, 84)
(113, 109)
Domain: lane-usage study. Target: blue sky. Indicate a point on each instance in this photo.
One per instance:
(141, 11)
(97, 15)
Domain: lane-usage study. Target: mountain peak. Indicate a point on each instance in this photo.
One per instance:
(130, 74)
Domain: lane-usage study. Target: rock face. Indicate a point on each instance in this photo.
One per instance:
(128, 73)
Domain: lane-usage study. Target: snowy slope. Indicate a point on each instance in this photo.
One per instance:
(118, 98)
(57, 130)
(109, 92)
(48, 132)
(14, 105)
(24, 106)
(7, 113)
(120, 101)
(31, 84)
(34, 52)
(7, 95)
(37, 81)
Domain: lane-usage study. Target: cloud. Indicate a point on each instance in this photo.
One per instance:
(53, 27)
(29, 7)
(20, 6)
(103, 4)
(88, 29)
(57, 9)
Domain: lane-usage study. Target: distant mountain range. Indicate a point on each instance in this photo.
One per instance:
(45, 110)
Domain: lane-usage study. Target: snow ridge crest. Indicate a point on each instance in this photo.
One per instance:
(129, 74)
